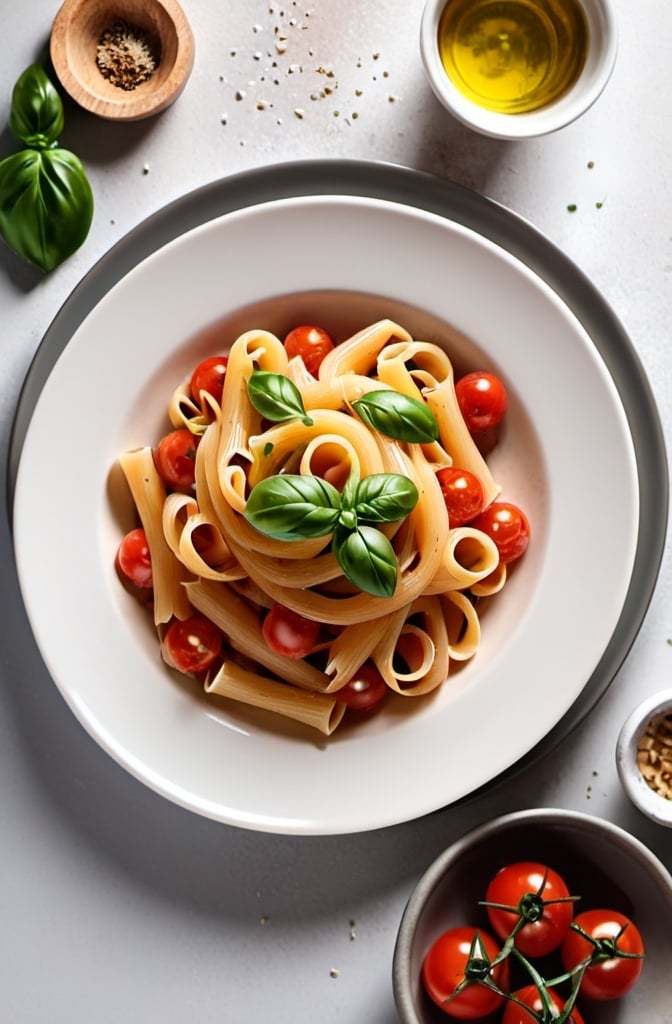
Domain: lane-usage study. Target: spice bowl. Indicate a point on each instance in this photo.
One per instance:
(122, 60)
(601, 864)
(644, 757)
(515, 69)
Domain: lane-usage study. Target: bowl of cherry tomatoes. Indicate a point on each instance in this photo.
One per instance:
(538, 916)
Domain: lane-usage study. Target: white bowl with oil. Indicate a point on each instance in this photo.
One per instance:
(514, 69)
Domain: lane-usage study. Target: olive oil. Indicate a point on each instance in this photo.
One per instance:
(513, 56)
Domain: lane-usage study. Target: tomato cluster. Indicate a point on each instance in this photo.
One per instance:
(472, 973)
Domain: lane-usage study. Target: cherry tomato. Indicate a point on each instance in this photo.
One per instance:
(133, 558)
(209, 376)
(612, 976)
(514, 1014)
(192, 645)
(311, 343)
(448, 962)
(289, 633)
(527, 887)
(482, 400)
(508, 526)
(462, 492)
(175, 459)
(365, 690)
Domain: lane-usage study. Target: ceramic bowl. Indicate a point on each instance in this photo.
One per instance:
(596, 71)
(159, 27)
(599, 861)
(643, 753)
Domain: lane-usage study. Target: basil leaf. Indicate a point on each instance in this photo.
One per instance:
(385, 497)
(276, 397)
(46, 205)
(367, 558)
(293, 507)
(398, 416)
(36, 116)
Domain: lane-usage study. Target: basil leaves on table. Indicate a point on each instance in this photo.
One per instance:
(46, 202)
(290, 506)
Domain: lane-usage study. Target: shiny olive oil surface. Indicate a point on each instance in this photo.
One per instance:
(512, 56)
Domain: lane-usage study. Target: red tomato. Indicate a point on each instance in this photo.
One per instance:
(133, 559)
(508, 526)
(528, 887)
(514, 1014)
(462, 492)
(289, 633)
(311, 343)
(366, 689)
(448, 962)
(209, 376)
(482, 400)
(175, 459)
(611, 976)
(192, 645)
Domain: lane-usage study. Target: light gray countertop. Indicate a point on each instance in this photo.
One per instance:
(117, 905)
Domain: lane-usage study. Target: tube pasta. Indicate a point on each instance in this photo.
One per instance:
(242, 627)
(318, 710)
(412, 636)
(168, 572)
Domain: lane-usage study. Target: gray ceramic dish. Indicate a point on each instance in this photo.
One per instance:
(601, 862)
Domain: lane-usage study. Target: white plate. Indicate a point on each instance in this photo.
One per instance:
(342, 261)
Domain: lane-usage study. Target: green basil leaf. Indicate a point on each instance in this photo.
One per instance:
(276, 397)
(367, 558)
(46, 205)
(398, 416)
(293, 507)
(349, 492)
(36, 116)
(385, 497)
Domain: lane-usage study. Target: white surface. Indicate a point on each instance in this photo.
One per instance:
(117, 905)
(231, 766)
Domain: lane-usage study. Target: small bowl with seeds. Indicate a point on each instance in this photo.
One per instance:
(644, 757)
(123, 60)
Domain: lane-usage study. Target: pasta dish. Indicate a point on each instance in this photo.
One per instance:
(318, 543)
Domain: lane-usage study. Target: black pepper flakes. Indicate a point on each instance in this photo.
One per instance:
(126, 55)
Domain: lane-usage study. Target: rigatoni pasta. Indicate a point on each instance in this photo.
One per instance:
(320, 495)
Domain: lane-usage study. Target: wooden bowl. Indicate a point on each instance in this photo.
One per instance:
(85, 40)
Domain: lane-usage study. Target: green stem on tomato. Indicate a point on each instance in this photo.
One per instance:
(539, 983)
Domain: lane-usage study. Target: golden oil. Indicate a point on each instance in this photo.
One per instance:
(512, 56)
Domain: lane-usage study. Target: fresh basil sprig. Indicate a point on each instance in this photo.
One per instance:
(36, 116)
(293, 507)
(398, 416)
(46, 201)
(276, 397)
